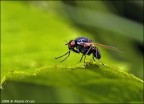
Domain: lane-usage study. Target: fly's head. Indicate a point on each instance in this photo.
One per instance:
(71, 44)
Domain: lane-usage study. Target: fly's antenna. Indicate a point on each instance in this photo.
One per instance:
(66, 42)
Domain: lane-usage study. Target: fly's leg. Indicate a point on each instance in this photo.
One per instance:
(81, 58)
(87, 53)
(88, 50)
(93, 58)
(101, 62)
(84, 59)
(96, 52)
(95, 55)
(65, 57)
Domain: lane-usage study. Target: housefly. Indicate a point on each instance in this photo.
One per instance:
(86, 47)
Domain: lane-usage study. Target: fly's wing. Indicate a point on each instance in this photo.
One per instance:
(108, 47)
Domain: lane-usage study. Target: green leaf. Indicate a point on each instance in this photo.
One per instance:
(92, 83)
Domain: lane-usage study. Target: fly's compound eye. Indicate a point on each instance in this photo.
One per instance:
(72, 44)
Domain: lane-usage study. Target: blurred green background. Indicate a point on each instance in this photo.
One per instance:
(33, 33)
